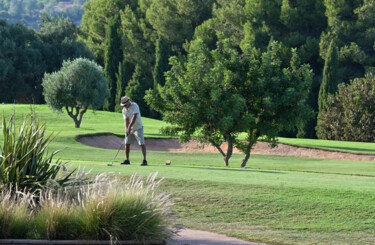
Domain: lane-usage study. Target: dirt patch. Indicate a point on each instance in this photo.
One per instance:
(262, 148)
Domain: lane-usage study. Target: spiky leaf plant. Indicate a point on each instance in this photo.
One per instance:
(24, 160)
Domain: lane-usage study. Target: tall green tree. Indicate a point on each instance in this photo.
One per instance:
(330, 76)
(350, 24)
(227, 20)
(112, 58)
(275, 95)
(137, 86)
(60, 38)
(123, 77)
(215, 95)
(162, 53)
(98, 14)
(176, 20)
(297, 24)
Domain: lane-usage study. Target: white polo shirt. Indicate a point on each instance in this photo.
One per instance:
(128, 114)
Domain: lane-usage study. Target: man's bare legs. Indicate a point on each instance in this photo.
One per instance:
(144, 152)
(127, 150)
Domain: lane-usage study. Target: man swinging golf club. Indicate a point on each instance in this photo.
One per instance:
(133, 128)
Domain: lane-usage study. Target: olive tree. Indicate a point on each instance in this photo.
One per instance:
(80, 84)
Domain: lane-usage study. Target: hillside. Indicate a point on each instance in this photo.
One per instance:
(29, 11)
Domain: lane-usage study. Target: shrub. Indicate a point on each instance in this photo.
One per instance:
(102, 209)
(125, 211)
(24, 162)
(14, 214)
(350, 114)
(56, 217)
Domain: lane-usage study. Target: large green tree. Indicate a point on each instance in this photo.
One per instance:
(228, 17)
(135, 90)
(215, 95)
(198, 99)
(123, 77)
(21, 64)
(97, 16)
(60, 39)
(351, 25)
(176, 20)
(275, 95)
(113, 55)
(297, 24)
(80, 84)
(330, 76)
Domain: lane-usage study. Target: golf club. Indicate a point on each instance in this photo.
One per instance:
(122, 143)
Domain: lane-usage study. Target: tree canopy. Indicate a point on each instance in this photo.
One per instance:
(79, 84)
(214, 96)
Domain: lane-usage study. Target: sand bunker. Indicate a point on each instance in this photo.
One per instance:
(172, 145)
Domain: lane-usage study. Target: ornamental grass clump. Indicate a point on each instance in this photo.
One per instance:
(55, 217)
(15, 216)
(102, 208)
(125, 210)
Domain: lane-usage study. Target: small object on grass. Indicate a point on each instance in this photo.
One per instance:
(110, 164)
(168, 162)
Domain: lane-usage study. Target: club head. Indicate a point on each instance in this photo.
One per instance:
(110, 164)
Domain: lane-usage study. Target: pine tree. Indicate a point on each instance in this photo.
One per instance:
(162, 52)
(330, 76)
(112, 57)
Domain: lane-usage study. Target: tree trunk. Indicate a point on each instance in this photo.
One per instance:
(244, 161)
(77, 121)
(226, 156)
(229, 150)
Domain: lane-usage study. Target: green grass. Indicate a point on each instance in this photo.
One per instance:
(275, 199)
(344, 146)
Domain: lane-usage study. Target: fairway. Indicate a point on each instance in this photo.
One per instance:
(275, 199)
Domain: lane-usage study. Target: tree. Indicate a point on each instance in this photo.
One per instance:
(296, 24)
(78, 85)
(162, 52)
(275, 95)
(123, 77)
(137, 86)
(227, 19)
(176, 20)
(98, 14)
(350, 24)
(215, 95)
(330, 76)
(350, 112)
(60, 38)
(196, 100)
(112, 57)
(21, 64)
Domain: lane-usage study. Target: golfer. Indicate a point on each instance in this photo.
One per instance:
(133, 128)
